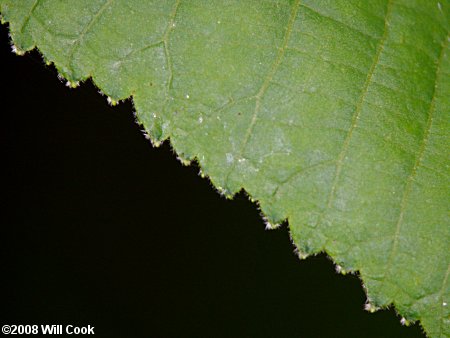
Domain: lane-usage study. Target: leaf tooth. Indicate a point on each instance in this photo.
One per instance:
(156, 143)
(269, 223)
(184, 161)
(297, 251)
(340, 269)
(201, 173)
(112, 102)
(17, 50)
(300, 254)
(405, 322)
(72, 84)
(370, 307)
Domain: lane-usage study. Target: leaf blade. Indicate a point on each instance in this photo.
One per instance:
(326, 113)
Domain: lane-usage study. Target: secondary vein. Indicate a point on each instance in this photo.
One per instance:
(418, 162)
(86, 29)
(356, 114)
(267, 81)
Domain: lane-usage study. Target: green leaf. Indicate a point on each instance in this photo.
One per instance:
(333, 115)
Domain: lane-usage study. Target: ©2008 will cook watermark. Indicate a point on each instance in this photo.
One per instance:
(48, 329)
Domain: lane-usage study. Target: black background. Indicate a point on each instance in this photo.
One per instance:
(99, 228)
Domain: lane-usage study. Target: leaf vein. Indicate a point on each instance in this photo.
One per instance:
(356, 115)
(338, 22)
(267, 81)
(86, 29)
(29, 15)
(165, 39)
(417, 164)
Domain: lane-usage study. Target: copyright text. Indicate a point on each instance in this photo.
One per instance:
(48, 329)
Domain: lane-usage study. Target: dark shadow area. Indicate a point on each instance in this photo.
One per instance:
(99, 228)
